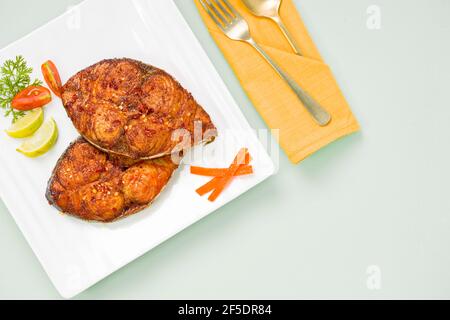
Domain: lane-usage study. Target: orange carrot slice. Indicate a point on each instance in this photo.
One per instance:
(219, 172)
(240, 159)
(208, 187)
(219, 182)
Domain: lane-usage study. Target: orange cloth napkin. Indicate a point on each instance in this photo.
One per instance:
(280, 108)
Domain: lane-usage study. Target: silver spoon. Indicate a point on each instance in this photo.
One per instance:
(271, 9)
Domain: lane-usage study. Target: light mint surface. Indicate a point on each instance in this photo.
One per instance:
(366, 217)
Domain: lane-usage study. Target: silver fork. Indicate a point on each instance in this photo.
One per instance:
(236, 28)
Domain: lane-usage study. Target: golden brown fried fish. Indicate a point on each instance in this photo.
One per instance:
(91, 185)
(129, 108)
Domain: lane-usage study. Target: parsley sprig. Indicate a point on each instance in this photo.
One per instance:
(14, 77)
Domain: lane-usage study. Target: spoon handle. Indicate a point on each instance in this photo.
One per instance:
(287, 35)
(318, 113)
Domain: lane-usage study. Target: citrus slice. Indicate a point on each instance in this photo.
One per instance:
(41, 141)
(27, 125)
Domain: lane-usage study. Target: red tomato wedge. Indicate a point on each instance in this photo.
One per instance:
(51, 76)
(31, 97)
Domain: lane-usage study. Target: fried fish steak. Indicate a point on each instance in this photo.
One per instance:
(129, 108)
(91, 185)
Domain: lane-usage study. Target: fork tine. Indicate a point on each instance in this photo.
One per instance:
(227, 13)
(208, 10)
(231, 8)
(217, 12)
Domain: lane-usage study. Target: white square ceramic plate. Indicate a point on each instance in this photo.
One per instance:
(77, 254)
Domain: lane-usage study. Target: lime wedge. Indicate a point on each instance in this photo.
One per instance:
(41, 141)
(27, 125)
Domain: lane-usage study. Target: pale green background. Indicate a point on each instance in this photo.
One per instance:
(380, 197)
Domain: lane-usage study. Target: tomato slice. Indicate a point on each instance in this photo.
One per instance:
(51, 76)
(31, 98)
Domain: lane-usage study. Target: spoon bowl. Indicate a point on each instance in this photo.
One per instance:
(263, 8)
(271, 9)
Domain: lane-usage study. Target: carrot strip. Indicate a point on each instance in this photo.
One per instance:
(208, 187)
(240, 158)
(219, 172)
(248, 158)
(220, 186)
(222, 177)
(243, 160)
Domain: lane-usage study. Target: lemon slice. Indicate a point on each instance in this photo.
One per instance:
(27, 125)
(41, 141)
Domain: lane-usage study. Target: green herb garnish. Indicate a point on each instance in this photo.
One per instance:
(14, 77)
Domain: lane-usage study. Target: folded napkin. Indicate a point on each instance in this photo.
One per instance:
(280, 108)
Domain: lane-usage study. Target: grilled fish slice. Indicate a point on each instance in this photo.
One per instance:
(91, 185)
(129, 108)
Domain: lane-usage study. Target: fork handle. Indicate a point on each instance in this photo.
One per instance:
(319, 114)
